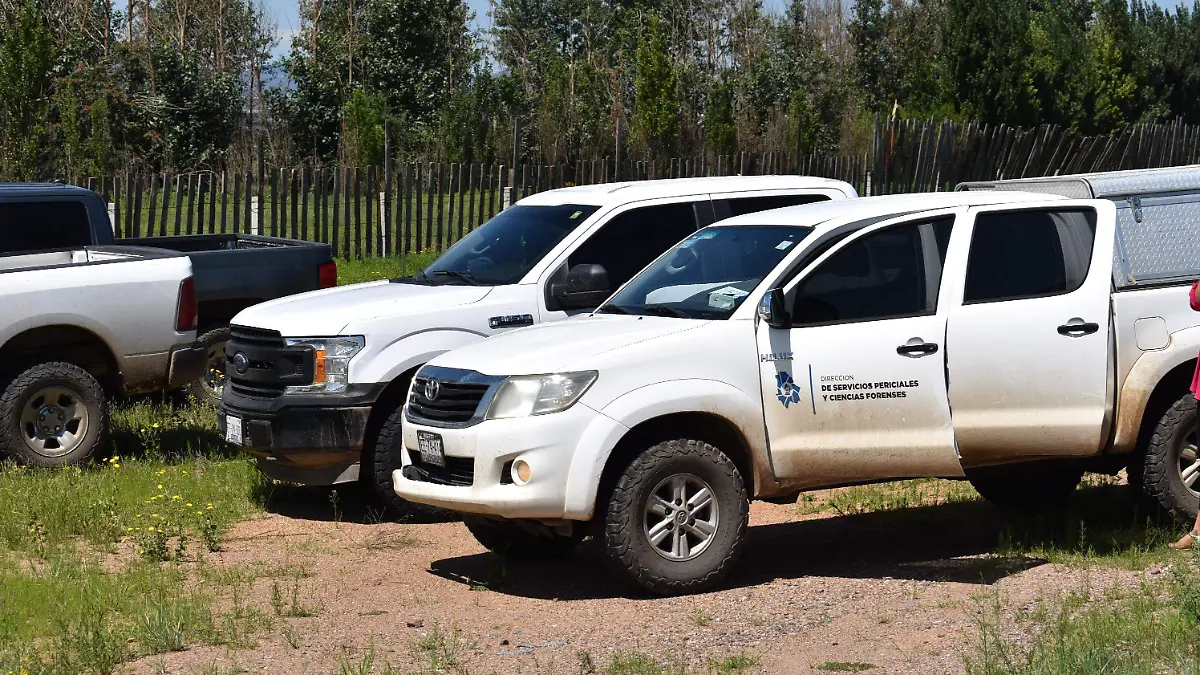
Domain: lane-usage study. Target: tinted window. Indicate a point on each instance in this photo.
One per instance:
(742, 205)
(709, 274)
(892, 273)
(506, 247)
(634, 239)
(36, 226)
(1027, 254)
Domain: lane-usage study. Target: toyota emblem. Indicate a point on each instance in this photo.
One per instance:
(240, 362)
(432, 389)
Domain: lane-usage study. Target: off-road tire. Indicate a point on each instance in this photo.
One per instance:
(626, 542)
(14, 394)
(380, 459)
(1042, 488)
(212, 339)
(1160, 480)
(509, 539)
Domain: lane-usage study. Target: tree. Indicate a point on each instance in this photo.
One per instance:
(985, 57)
(26, 58)
(869, 35)
(656, 106)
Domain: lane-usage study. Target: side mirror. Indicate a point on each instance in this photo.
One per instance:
(586, 287)
(771, 310)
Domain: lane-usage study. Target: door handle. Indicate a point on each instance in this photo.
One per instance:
(1078, 328)
(917, 350)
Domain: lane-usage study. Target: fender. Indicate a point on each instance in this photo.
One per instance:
(1144, 376)
(102, 333)
(656, 400)
(408, 351)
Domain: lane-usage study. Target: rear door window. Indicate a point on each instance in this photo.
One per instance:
(1029, 254)
(31, 225)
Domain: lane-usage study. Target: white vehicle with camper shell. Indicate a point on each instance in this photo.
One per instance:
(969, 334)
(317, 381)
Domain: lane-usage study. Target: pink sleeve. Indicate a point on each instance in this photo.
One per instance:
(1196, 296)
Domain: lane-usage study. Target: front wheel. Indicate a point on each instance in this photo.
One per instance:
(210, 385)
(676, 521)
(52, 414)
(1170, 470)
(380, 460)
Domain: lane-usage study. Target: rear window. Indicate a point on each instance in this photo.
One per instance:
(40, 225)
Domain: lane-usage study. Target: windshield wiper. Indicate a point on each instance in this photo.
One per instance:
(611, 309)
(465, 276)
(663, 310)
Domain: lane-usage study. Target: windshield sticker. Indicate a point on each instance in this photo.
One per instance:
(706, 235)
(726, 298)
(783, 245)
(576, 215)
(785, 389)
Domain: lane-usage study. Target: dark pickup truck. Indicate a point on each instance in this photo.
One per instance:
(231, 271)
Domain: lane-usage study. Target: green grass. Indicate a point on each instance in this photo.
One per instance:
(843, 666)
(376, 269)
(1101, 524)
(1152, 629)
(640, 663)
(83, 585)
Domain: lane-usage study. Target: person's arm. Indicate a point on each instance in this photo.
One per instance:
(1196, 296)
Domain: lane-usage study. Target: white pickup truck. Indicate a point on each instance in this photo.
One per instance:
(980, 335)
(317, 381)
(80, 325)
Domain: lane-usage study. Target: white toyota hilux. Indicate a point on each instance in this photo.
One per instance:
(966, 335)
(316, 381)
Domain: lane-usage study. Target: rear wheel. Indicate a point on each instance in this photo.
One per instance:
(210, 385)
(676, 521)
(523, 542)
(1170, 470)
(1041, 488)
(52, 414)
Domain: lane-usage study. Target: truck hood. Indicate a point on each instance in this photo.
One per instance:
(561, 345)
(328, 312)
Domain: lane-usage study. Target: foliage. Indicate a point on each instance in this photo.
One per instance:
(190, 84)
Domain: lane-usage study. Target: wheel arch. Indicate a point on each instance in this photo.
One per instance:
(692, 425)
(68, 343)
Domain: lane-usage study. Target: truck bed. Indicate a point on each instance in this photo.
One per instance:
(239, 269)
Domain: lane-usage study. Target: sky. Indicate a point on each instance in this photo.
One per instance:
(286, 16)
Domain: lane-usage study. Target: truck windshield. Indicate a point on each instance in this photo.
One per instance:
(505, 248)
(709, 274)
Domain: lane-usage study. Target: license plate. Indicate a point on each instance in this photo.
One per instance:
(431, 448)
(233, 429)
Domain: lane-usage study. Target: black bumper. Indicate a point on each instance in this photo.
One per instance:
(303, 439)
(188, 364)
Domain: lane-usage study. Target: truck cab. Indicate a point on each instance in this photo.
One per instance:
(317, 382)
(968, 335)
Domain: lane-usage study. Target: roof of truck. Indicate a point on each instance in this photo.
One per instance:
(39, 189)
(1104, 185)
(812, 215)
(604, 194)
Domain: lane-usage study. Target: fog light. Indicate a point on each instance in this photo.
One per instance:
(521, 471)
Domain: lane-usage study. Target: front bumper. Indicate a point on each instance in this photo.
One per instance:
(484, 452)
(300, 440)
(187, 364)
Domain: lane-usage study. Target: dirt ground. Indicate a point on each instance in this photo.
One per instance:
(899, 594)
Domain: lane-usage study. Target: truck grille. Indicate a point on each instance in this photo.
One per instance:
(255, 337)
(456, 402)
(270, 365)
(459, 471)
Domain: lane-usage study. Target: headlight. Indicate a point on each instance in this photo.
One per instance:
(331, 363)
(523, 395)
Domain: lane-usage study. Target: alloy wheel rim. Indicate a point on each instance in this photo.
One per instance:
(213, 381)
(54, 421)
(1189, 463)
(681, 517)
